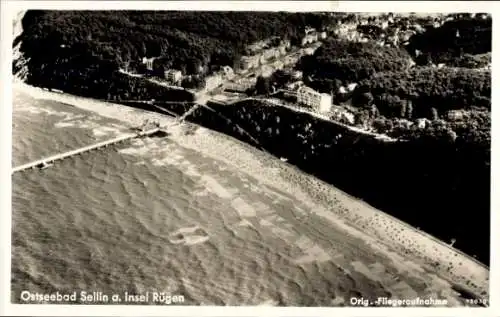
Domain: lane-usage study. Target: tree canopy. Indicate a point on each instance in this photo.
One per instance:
(353, 61)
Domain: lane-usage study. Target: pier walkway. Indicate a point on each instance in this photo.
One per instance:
(43, 162)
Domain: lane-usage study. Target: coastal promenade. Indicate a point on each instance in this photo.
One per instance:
(45, 161)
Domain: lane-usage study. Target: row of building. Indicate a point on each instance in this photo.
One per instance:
(262, 57)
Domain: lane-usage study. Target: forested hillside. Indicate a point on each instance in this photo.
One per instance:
(80, 51)
(440, 113)
(453, 40)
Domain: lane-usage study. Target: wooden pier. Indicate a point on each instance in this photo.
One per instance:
(61, 156)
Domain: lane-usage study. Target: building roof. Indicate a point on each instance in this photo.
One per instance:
(249, 57)
(307, 89)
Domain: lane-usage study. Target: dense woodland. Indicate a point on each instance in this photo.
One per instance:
(450, 42)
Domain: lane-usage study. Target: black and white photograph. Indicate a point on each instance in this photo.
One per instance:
(279, 158)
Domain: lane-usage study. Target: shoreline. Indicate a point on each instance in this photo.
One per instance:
(353, 215)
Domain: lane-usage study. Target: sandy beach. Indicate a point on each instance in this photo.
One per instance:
(404, 244)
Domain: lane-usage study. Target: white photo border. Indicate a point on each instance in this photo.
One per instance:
(8, 11)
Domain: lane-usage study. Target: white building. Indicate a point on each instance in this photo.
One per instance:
(282, 49)
(213, 81)
(349, 117)
(271, 52)
(148, 62)
(342, 114)
(455, 115)
(173, 75)
(309, 51)
(318, 101)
